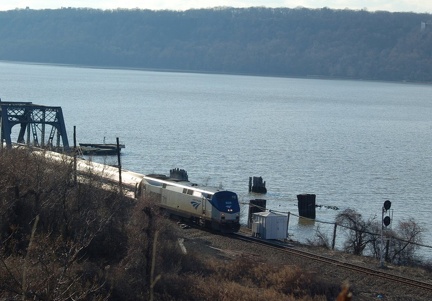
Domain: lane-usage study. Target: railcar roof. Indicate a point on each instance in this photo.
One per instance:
(185, 184)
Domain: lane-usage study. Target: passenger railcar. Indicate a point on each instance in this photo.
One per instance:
(207, 206)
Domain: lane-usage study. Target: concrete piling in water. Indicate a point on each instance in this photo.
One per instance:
(306, 205)
(256, 205)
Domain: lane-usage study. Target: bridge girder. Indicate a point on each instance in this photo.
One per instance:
(35, 121)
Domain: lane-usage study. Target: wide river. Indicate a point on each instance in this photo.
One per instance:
(354, 144)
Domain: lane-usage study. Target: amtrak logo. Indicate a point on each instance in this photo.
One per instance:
(195, 204)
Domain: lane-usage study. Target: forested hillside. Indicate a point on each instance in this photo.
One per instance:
(281, 42)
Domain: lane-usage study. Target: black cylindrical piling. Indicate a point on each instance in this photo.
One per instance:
(306, 205)
(256, 205)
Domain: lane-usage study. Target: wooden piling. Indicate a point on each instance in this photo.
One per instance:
(257, 185)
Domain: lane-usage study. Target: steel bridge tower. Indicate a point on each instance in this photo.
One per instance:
(39, 125)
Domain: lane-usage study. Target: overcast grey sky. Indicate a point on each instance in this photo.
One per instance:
(418, 6)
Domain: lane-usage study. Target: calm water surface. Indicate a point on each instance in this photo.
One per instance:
(354, 144)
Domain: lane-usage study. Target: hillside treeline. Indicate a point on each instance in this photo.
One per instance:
(261, 41)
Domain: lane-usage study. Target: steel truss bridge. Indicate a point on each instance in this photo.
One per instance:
(39, 126)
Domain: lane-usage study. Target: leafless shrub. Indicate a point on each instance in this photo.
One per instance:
(358, 230)
(279, 282)
(153, 253)
(403, 242)
(321, 239)
(49, 229)
(400, 243)
(427, 266)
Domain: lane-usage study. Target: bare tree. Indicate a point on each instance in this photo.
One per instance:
(400, 243)
(358, 230)
(404, 242)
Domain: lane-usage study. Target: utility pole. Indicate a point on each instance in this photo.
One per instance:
(119, 166)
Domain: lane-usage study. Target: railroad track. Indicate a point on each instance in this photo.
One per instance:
(340, 264)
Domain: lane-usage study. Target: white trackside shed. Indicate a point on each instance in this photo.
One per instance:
(269, 225)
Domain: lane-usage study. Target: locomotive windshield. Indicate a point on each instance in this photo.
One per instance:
(226, 201)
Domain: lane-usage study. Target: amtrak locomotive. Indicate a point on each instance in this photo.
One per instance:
(207, 206)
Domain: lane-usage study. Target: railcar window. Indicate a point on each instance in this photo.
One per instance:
(190, 191)
(184, 190)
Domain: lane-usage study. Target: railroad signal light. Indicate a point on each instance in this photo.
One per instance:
(387, 205)
(386, 220)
